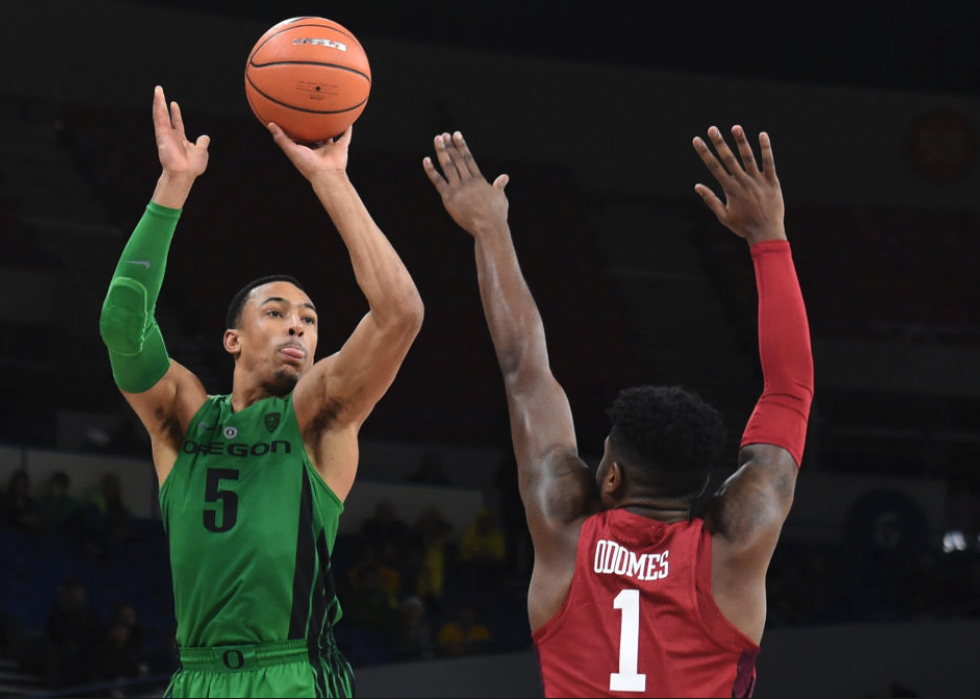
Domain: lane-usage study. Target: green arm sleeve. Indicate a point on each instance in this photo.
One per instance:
(127, 325)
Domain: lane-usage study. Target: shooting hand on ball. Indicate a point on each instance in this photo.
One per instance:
(324, 158)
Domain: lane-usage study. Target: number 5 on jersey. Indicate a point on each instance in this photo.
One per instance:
(225, 501)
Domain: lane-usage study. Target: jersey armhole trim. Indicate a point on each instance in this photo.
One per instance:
(551, 627)
(308, 462)
(716, 625)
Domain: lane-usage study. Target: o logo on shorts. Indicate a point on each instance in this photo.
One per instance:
(233, 655)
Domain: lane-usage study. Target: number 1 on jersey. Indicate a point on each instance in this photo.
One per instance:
(627, 679)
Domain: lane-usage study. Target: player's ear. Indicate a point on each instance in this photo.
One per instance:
(232, 341)
(612, 482)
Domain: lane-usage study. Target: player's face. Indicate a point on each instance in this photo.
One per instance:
(277, 334)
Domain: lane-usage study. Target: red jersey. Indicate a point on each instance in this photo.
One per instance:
(639, 619)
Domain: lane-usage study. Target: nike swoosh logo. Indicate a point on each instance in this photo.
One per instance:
(145, 263)
(203, 426)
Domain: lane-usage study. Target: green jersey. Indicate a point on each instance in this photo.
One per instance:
(251, 526)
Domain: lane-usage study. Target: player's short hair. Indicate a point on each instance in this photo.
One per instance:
(668, 437)
(234, 316)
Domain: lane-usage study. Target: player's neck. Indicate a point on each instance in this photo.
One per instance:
(247, 391)
(662, 511)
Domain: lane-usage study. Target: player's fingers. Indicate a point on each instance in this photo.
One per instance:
(725, 153)
(434, 177)
(203, 142)
(445, 159)
(768, 164)
(501, 182)
(280, 137)
(161, 119)
(711, 200)
(710, 161)
(346, 136)
(744, 150)
(177, 119)
(457, 157)
(468, 161)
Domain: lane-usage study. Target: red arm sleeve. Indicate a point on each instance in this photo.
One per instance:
(781, 414)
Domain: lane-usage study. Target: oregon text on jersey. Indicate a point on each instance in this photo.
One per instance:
(611, 558)
(236, 448)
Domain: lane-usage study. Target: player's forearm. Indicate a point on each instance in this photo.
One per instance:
(781, 415)
(515, 325)
(127, 324)
(380, 273)
(172, 190)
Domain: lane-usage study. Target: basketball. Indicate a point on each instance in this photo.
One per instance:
(310, 75)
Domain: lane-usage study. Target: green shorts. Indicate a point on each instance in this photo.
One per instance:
(287, 669)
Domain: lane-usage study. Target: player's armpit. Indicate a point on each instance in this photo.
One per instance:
(749, 509)
(344, 388)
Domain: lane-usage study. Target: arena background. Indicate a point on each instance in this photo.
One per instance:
(873, 118)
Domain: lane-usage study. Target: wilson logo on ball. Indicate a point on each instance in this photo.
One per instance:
(321, 42)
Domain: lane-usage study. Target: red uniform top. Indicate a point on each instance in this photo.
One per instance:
(639, 618)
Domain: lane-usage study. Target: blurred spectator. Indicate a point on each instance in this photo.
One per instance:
(463, 634)
(434, 536)
(412, 637)
(109, 516)
(383, 526)
(19, 508)
(481, 551)
(125, 614)
(117, 660)
(430, 470)
(513, 522)
(369, 605)
(59, 512)
(76, 633)
(381, 565)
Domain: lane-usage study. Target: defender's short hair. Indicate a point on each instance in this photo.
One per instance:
(668, 436)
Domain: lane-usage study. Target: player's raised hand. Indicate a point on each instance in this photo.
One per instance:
(753, 207)
(467, 195)
(329, 156)
(178, 156)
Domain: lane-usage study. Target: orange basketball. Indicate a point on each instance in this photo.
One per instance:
(310, 75)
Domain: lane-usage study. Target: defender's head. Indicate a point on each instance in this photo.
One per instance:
(662, 444)
(272, 331)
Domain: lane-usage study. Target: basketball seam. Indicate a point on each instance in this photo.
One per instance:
(301, 109)
(255, 49)
(253, 64)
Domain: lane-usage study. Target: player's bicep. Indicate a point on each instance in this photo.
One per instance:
(351, 381)
(540, 415)
(747, 514)
(170, 403)
(165, 410)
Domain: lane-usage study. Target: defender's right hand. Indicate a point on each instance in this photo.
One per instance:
(753, 208)
(468, 197)
(179, 157)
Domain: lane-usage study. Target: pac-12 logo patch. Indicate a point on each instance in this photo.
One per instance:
(272, 421)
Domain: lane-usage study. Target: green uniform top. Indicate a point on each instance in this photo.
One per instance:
(251, 526)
